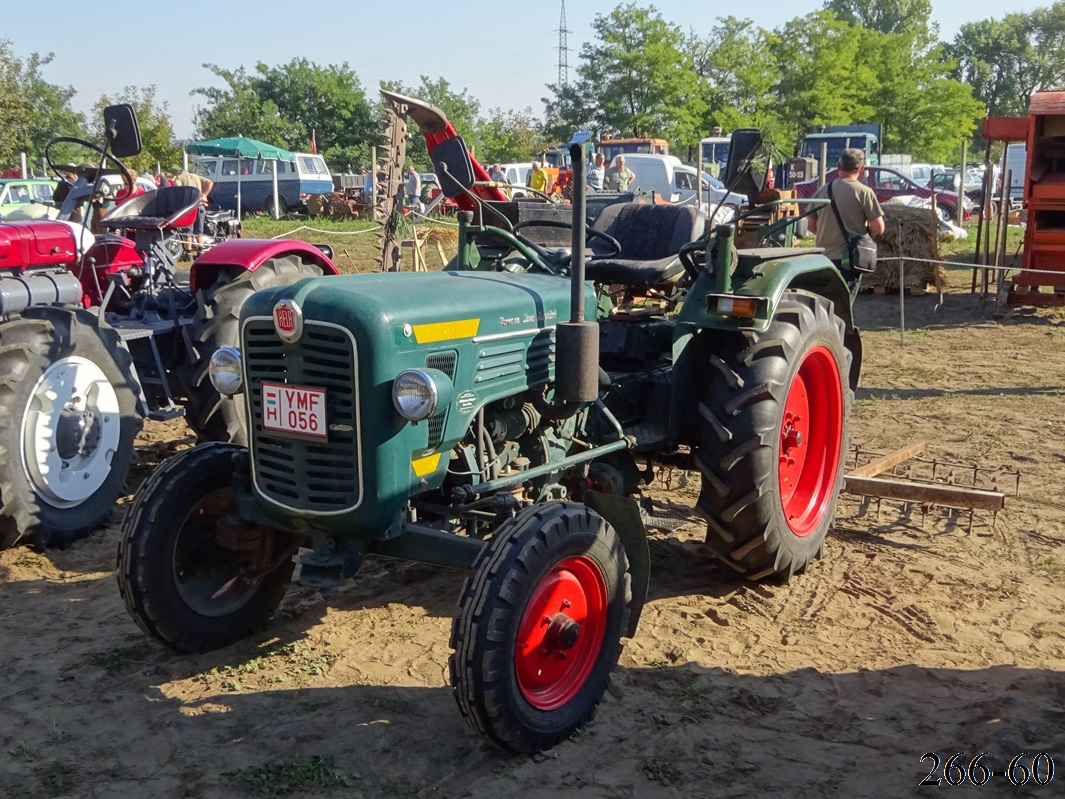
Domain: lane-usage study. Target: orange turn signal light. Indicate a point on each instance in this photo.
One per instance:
(738, 306)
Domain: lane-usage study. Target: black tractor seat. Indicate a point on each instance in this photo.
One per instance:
(650, 238)
(169, 206)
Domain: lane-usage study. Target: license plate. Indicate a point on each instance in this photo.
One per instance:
(294, 409)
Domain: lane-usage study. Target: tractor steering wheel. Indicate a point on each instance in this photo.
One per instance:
(590, 233)
(123, 170)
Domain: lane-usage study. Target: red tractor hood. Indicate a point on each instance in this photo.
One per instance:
(40, 242)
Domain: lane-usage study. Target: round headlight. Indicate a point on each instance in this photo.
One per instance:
(224, 369)
(415, 395)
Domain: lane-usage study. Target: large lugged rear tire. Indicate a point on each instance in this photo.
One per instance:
(539, 626)
(774, 435)
(217, 324)
(68, 419)
(178, 584)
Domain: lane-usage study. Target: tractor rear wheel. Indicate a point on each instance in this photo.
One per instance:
(185, 582)
(774, 439)
(68, 419)
(217, 324)
(539, 626)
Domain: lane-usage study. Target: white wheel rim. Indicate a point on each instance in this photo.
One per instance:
(77, 385)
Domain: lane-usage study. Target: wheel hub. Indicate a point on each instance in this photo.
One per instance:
(561, 633)
(71, 429)
(77, 432)
(811, 434)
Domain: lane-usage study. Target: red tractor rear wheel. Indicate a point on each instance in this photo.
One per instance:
(774, 433)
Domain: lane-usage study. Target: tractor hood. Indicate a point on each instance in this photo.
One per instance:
(36, 243)
(489, 334)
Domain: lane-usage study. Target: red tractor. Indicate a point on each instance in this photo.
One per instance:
(100, 331)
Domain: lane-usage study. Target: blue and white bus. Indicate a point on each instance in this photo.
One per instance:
(253, 178)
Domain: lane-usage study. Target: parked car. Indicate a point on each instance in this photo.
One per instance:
(888, 183)
(16, 193)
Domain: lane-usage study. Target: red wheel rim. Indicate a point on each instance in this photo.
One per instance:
(811, 441)
(561, 633)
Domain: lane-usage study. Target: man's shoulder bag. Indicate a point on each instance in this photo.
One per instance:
(861, 249)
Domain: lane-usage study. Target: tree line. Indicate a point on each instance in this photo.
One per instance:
(850, 61)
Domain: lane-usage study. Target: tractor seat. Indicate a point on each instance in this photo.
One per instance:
(168, 206)
(650, 238)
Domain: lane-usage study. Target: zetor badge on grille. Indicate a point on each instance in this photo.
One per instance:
(502, 417)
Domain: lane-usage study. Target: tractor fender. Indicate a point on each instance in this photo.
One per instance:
(697, 324)
(249, 255)
(623, 514)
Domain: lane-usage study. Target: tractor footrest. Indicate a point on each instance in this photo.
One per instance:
(648, 436)
(166, 414)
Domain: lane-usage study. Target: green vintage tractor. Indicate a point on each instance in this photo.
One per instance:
(500, 417)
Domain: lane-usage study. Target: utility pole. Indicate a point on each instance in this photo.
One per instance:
(563, 49)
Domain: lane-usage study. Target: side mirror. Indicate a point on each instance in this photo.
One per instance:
(745, 172)
(120, 127)
(453, 166)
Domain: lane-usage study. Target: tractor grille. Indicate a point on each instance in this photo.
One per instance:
(301, 474)
(502, 361)
(446, 362)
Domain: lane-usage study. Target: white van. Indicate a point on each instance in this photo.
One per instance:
(667, 177)
(296, 181)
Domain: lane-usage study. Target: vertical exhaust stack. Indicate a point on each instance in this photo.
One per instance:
(577, 365)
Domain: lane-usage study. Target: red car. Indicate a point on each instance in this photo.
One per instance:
(888, 183)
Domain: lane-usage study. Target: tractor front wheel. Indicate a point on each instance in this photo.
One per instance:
(539, 626)
(192, 576)
(774, 438)
(217, 324)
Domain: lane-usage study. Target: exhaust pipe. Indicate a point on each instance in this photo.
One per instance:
(577, 364)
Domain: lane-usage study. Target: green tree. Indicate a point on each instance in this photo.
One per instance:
(1006, 60)
(153, 119)
(737, 77)
(925, 111)
(33, 111)
(240, 109)
(822, 79)
(328, 101)
(641, 77)
(509, 136)
(885, 16)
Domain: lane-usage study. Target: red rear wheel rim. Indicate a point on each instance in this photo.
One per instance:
(811, 441)
(561, 633)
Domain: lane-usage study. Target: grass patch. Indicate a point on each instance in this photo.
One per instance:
(289, 777)
(275, 665)
(57, 778)
(121, 658)
(23, 751)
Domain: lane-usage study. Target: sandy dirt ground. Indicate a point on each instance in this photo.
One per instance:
(902, 640)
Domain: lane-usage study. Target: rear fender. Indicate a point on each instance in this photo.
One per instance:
(249, 255)
(700, 330)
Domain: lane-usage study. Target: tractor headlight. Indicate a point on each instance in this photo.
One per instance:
(415, 394)
(225, 371)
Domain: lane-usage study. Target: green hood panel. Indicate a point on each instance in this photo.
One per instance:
(491, 333)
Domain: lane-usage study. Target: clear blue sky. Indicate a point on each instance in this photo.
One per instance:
(501, 52)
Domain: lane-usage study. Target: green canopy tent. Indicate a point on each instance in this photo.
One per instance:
(243, 148)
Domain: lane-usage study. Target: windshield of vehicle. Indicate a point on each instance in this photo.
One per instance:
(313, 164)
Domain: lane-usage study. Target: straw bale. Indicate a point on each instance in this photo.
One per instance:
(909, 232)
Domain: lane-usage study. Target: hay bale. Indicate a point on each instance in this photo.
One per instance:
(913, 233)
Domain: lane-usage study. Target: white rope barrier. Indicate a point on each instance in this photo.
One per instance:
(326, 232)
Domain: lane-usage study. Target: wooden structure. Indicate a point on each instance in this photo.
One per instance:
(748, 227)
(1044, 197)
